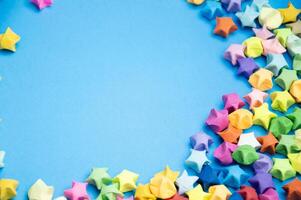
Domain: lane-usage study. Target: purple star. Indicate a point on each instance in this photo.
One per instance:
(232, 5)
(218, 120)
(261, 182)
(247, 67)
(232, 102)
(201, 141)
(234, 52)
(263, 164)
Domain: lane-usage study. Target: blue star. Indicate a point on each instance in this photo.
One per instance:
(275, 62)
(247, 18)
(185, 182)
(235, 196)
(210, 176)
(258, 4)
(235, 176)
(212, 10)
(196, 160)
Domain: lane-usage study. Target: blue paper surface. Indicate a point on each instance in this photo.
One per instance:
(121, 84)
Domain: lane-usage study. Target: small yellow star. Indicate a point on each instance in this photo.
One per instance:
(219, 192)
(281, 101)
(143, 193)
(127, 180)
(290, 13)
(8, 40)
(172, 175)
(8, 188)
(262, 116)
(197, 193)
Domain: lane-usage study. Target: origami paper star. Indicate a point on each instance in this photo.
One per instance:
(78, 191)
(196, 160)
(298, 137)
(282, 35)
(212, 10)
(232, 5)
(8, 188)
(295, 117)
(168, 173)
(231, 134)
(196, 2)
(269, 194)
(247, 18)
(143, 193)
(2, 155)
(255, 98)
(217, 120)
(99, 177)
(232, 102)
(235, 196)
(282, 169)
(295, 27)
(234, 52)
(39, 190)
(293, 44)
(295, 90)
(297, 63)
(275, 62)
(9, 39)
(245, 155)
(241, 119)
(210, 176)
(127, 180)
(287, 144)
(293, 189)
(295, 159)
(42, 3)
(263, 165)
(262, 116)
(246, 67)
(258, 4)
(235, 176)
(249, 139)
(219, 192)
(261, 182)
(109, 192)
(197, 193)
(268, 143)
(290, 13)
(223, 153)
(263, 33)
(261, 79)
(201, 141)
(280, 125)
(281, 101)
(270, 17)
(248, 193)
(272, 46)
(224, 26)
(185, 182)
(254, 47)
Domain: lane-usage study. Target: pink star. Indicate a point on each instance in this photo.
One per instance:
(232, 102)
(255, 98)
(77, 192)
(263, 33)
(42, 3)
(272, 46)
(234, 52)
(218, 120)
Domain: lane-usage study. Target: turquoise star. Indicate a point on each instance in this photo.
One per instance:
(235, 176)
(258, 4)
(247, 18)
(212, 10)
(275, 62)
(196, 160)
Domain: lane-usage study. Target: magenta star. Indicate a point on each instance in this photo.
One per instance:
(272, 46)
(218, 120)
(232, 102)
(77, 192)
(263, 33)
(234, 52)
(42, 3)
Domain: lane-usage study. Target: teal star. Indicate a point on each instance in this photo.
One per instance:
(247, 18)
(196, 160)
(287, 144)
(258, 4)
(295, 117)
(275, 62)
(286, 78)
(235, 176)
(99, 177)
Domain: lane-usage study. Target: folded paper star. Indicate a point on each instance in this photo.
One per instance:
(282, 169)
(185, 182)
(235, 196)
(295, 159)
(201, 141)
(270, 17)
(168, 173)
(263, 165)
(290, 13)
(217, 120)
(42, 3)
(78, 191)
(255, 98)
(109, 192)
(293, 44)
(246, 67)
(259, 4)
(197, 193)
(143, 193)
(232, 102)
(235, 176)
(297, 63)
(254, 47)
(293, 189)
(9, 39)
(269, 194)
(196, 160)
(212, 9)
(247, 18)
(295, 117)
(282, 35)
(40, 190)
(287, 144)
(263, 33)
(295, 27)
(223, 153)
(241, 119)
(224, 26)
(232, 5)
(2, 155)
(248, 139)
(210, 176)
(268, 143)
(248, 193)
(281, 101)
(127, 180)
(295, 90)
(261, 79)
(231, 134)
(261, 182)
(8, 188)
(234, 52)
(262, 116)
(99, 177)
(280, 125)
(220, 192)
(272, 46)
(245, 155)
(275, 62)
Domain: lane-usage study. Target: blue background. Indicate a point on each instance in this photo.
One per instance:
(121, 84)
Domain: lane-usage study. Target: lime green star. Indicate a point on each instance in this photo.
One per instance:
(280, 126)
(282, 169)
(281, 101)
(282, 35)
(295, 117)
(262, 115)
(287, 144)
(295, 159)
(99, 177)
(127, 180)
(286, 78)
(109, 192)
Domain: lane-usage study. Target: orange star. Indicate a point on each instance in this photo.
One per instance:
(224, 26)
(231, 134)
(268, 143)
(293, 189)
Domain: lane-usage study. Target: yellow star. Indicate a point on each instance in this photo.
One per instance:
(295, 159)
(197, 193)
(172, 175)
(262, 116)
(290, 13)
(127, 180)
(8, 188)
(8, 40)
(281, 101)
(220, 192)
(143, 193)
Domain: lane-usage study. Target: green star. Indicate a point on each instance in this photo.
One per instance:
(282, 169)
(282, 35)
(280, 126)
(287, 144)
(109, 192)
(286, 78)
(297, 63)
(295, 117)
(99, 177)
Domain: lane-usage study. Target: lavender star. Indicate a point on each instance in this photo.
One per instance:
(261, 182)
(201, 141)
(247, 67)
